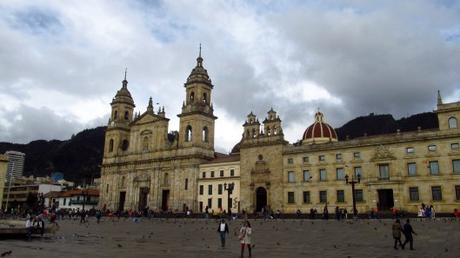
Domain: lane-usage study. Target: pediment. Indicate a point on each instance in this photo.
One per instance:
(147, 118)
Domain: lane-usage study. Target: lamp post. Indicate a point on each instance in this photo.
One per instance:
(229, 188)
(352, 182)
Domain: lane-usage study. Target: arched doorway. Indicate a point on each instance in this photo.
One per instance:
(261, 198)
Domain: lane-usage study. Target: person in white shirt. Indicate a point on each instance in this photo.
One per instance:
(29, 227)
(245, 237)
(222, 229)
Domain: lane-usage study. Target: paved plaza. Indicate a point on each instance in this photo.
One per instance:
(275, 238)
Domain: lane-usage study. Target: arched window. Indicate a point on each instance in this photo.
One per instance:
(111, 145)
(275, 132)
(192, 96)
(126, 115)
(453, 122)
(145, 144)
(205, 98)
(115, 115)
(248, 134)
(254, 133)
(269, 132)
(188, 133)
(124, 145)
(204, 134)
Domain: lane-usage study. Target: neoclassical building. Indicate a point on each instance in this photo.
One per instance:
(145, 166)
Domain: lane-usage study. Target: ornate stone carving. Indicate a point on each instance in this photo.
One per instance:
(382, 153)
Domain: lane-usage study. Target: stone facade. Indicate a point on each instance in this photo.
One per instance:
(214, 176)
(400, 170)
(144, 166)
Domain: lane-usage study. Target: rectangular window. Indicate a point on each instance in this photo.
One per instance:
(186, 184)
(212, 173)
(436, 193)
(219, 203)
(455, 146)
(340, 196)
(413, 194)
(291, 177)
(306, 197)
(434, 168)
(357, 171)
(456, 166)
(359, 196)
(340, 173)
(322, 196)
(306, 175)
(204, 175)
(65, 201)
(209, 203)
(232, 172)
(432, 147)
(209, 189)
(221, 173)
(107, 188)
(201, 206)
(457, 192)
(411, 169)
(290, 161)
(322, 175)
(305, 159)
(357, 155)
(291, 197)
(219, 189)
(338, 156)
(201, 189)
(384, 172)
(410, 150)
(321, 158)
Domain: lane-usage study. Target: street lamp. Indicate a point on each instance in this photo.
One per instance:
(352, 182)
(229, 188)
(9, 186)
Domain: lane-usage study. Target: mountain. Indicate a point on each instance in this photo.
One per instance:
(77, 158)
(385, 124)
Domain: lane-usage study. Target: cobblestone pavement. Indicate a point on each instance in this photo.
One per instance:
(199, 238)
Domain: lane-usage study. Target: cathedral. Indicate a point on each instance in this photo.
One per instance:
(146, 166)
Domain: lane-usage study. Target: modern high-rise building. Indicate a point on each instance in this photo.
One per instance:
(15, 164)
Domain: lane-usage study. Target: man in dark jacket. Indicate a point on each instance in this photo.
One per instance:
(222, 229)
(408, 231)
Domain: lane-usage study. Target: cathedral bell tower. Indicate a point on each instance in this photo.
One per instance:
(197, 118)
(117, 134)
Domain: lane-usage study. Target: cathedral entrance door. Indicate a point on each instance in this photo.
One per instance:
(121, 201)
(261, 198)
(386, 200)
(143, 195)
(165, 200)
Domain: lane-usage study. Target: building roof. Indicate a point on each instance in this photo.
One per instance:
(224, 158)
(73, 192)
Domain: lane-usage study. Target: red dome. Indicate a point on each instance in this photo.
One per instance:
(319, 131)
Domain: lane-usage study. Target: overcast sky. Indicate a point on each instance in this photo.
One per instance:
(61, 62)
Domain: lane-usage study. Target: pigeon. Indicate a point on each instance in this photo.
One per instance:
(119, 245)
(6, 253)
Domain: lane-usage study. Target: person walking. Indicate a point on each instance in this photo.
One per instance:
(245, 237)
(408, 231)
(397, 233)
(222, 229)
(29, 227)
